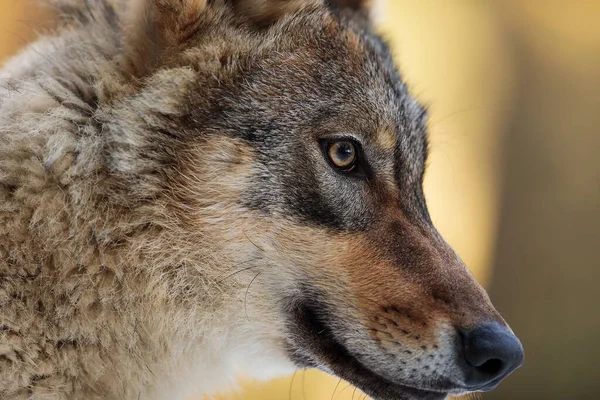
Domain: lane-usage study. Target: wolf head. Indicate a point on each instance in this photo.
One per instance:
(282, 136)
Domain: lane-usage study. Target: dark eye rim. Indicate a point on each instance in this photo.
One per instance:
(358, 169)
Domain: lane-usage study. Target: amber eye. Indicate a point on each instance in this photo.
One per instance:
(342, 154)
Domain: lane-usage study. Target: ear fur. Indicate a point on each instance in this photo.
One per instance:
(365, 10)
(152, 30)
(355, 5)
(267, 12)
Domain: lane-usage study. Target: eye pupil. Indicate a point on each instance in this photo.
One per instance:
(342, 154)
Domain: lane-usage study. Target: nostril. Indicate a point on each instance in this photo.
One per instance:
(493, 367)
(491, 352)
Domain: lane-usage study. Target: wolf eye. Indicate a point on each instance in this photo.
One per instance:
(342, 154)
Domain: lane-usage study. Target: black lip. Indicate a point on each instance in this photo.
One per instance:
(312, 338)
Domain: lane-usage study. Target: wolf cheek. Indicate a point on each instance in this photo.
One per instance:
(395, 330)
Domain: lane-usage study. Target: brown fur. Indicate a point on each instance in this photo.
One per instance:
(156, 238)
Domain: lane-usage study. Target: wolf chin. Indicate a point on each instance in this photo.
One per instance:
(195, 189)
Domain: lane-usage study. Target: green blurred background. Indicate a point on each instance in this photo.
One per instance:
(514, 179)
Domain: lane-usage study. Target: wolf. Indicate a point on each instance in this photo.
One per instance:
(196, 189)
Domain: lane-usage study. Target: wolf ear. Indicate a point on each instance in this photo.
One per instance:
(267, 12)
(355, 5)
(364, 10)
(152, 29)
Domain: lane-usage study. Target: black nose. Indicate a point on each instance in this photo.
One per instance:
(492, 352)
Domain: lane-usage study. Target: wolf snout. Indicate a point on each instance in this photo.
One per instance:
(491, 352)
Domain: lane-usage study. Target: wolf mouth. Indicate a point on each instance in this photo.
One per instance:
(313, 340)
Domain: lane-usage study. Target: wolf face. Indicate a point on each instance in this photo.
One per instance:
(278, 146)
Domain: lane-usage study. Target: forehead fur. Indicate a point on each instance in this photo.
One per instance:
(317, 68)
(317, 63)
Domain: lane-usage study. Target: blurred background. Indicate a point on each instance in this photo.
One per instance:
(514, 178)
